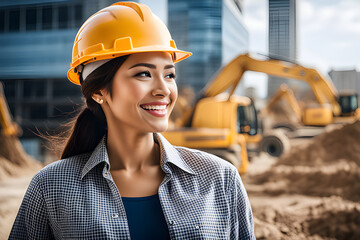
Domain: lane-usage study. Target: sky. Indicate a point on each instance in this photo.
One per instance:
(328, 35)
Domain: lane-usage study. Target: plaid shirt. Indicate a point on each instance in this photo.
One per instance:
(202, 197)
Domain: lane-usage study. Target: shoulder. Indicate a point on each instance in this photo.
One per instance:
(198, 159)
(207, 165)
(62, 170)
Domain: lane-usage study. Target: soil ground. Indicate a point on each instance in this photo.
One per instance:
(12, 191)
(294, 216)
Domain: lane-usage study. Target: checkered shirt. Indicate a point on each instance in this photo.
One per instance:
(202, 197)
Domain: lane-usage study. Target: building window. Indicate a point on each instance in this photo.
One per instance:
(63, 17)
(78, 15)
(2, 21)
(61, 90)
(41, 17)
(14, 21)
(47, 13)
(31, 19)
(34, 89)
(9, 88)
(34, 111)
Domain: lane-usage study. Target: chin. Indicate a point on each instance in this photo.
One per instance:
(160, 129)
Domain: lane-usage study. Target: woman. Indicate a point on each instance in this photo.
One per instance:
(118, 178)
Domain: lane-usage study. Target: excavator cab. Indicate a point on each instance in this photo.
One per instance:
(247, 119)
(348, 103)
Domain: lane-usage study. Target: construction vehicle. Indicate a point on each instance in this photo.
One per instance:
(11, 149)
(332, 106)
(283, 110)
(218, 124)
(224, 124)
(285, 92)
(8, 126)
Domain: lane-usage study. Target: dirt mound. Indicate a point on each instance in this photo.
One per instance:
(13, 159)
(336, 219)
(341, 143)
(340, 179)
(328, 166)
(313, 191)
(332, 218)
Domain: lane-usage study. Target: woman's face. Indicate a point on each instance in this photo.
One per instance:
(144, 92)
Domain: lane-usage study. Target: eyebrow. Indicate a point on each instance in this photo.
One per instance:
(152, 66)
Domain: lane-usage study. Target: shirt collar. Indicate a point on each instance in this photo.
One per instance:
(98, 155)
(168, 155)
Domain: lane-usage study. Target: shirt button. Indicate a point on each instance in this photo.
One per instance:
(115, 215)
(106, 174)
(171, 222)
(197, 227)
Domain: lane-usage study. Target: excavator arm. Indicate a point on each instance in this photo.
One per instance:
(8, 126)
(285, 92)
(230, 76)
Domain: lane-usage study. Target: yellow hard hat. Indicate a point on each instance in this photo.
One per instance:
(121, 29)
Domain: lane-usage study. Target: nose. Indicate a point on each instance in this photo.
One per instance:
(161, 87)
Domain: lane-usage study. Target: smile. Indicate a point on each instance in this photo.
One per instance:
(156, 109)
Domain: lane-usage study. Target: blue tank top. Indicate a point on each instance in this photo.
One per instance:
(145, 218)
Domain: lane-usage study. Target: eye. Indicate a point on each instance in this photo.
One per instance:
(143, 74)
(171, 76)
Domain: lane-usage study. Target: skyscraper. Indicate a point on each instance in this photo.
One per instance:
(212, 30)
(282, 36)
(346, 80)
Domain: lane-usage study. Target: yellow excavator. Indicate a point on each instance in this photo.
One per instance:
(10, 147)
(225, 124)
(217, 125)
(333, 107)
(284, 92)
(8, 126)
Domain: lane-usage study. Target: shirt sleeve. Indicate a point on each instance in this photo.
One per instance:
(242, 224)
(32, 220)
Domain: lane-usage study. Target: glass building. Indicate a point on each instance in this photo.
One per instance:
(282, 39)
(36, 38)
(212, 30)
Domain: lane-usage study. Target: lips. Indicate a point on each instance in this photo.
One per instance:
(158, 109)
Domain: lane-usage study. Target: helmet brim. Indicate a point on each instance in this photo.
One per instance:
(74, 76)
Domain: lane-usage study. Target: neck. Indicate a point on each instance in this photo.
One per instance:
(130, 150)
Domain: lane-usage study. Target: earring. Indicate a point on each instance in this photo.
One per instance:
(100, 101)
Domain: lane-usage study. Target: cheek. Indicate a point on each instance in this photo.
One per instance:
(174, 92)
(128, 92)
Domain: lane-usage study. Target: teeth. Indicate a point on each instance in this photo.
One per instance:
(154, 107)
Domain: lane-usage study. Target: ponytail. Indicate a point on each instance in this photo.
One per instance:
(86, 133)
(90, 125)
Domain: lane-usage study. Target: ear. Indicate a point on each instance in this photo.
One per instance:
(98, 96)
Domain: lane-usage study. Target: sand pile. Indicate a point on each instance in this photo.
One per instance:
(329, 218)
(341, 143)
(334, 218)
(329, 165)
(13, 159)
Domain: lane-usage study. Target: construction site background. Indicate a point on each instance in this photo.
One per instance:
(311, 192)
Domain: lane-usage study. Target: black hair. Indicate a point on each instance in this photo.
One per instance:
(89, 126)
